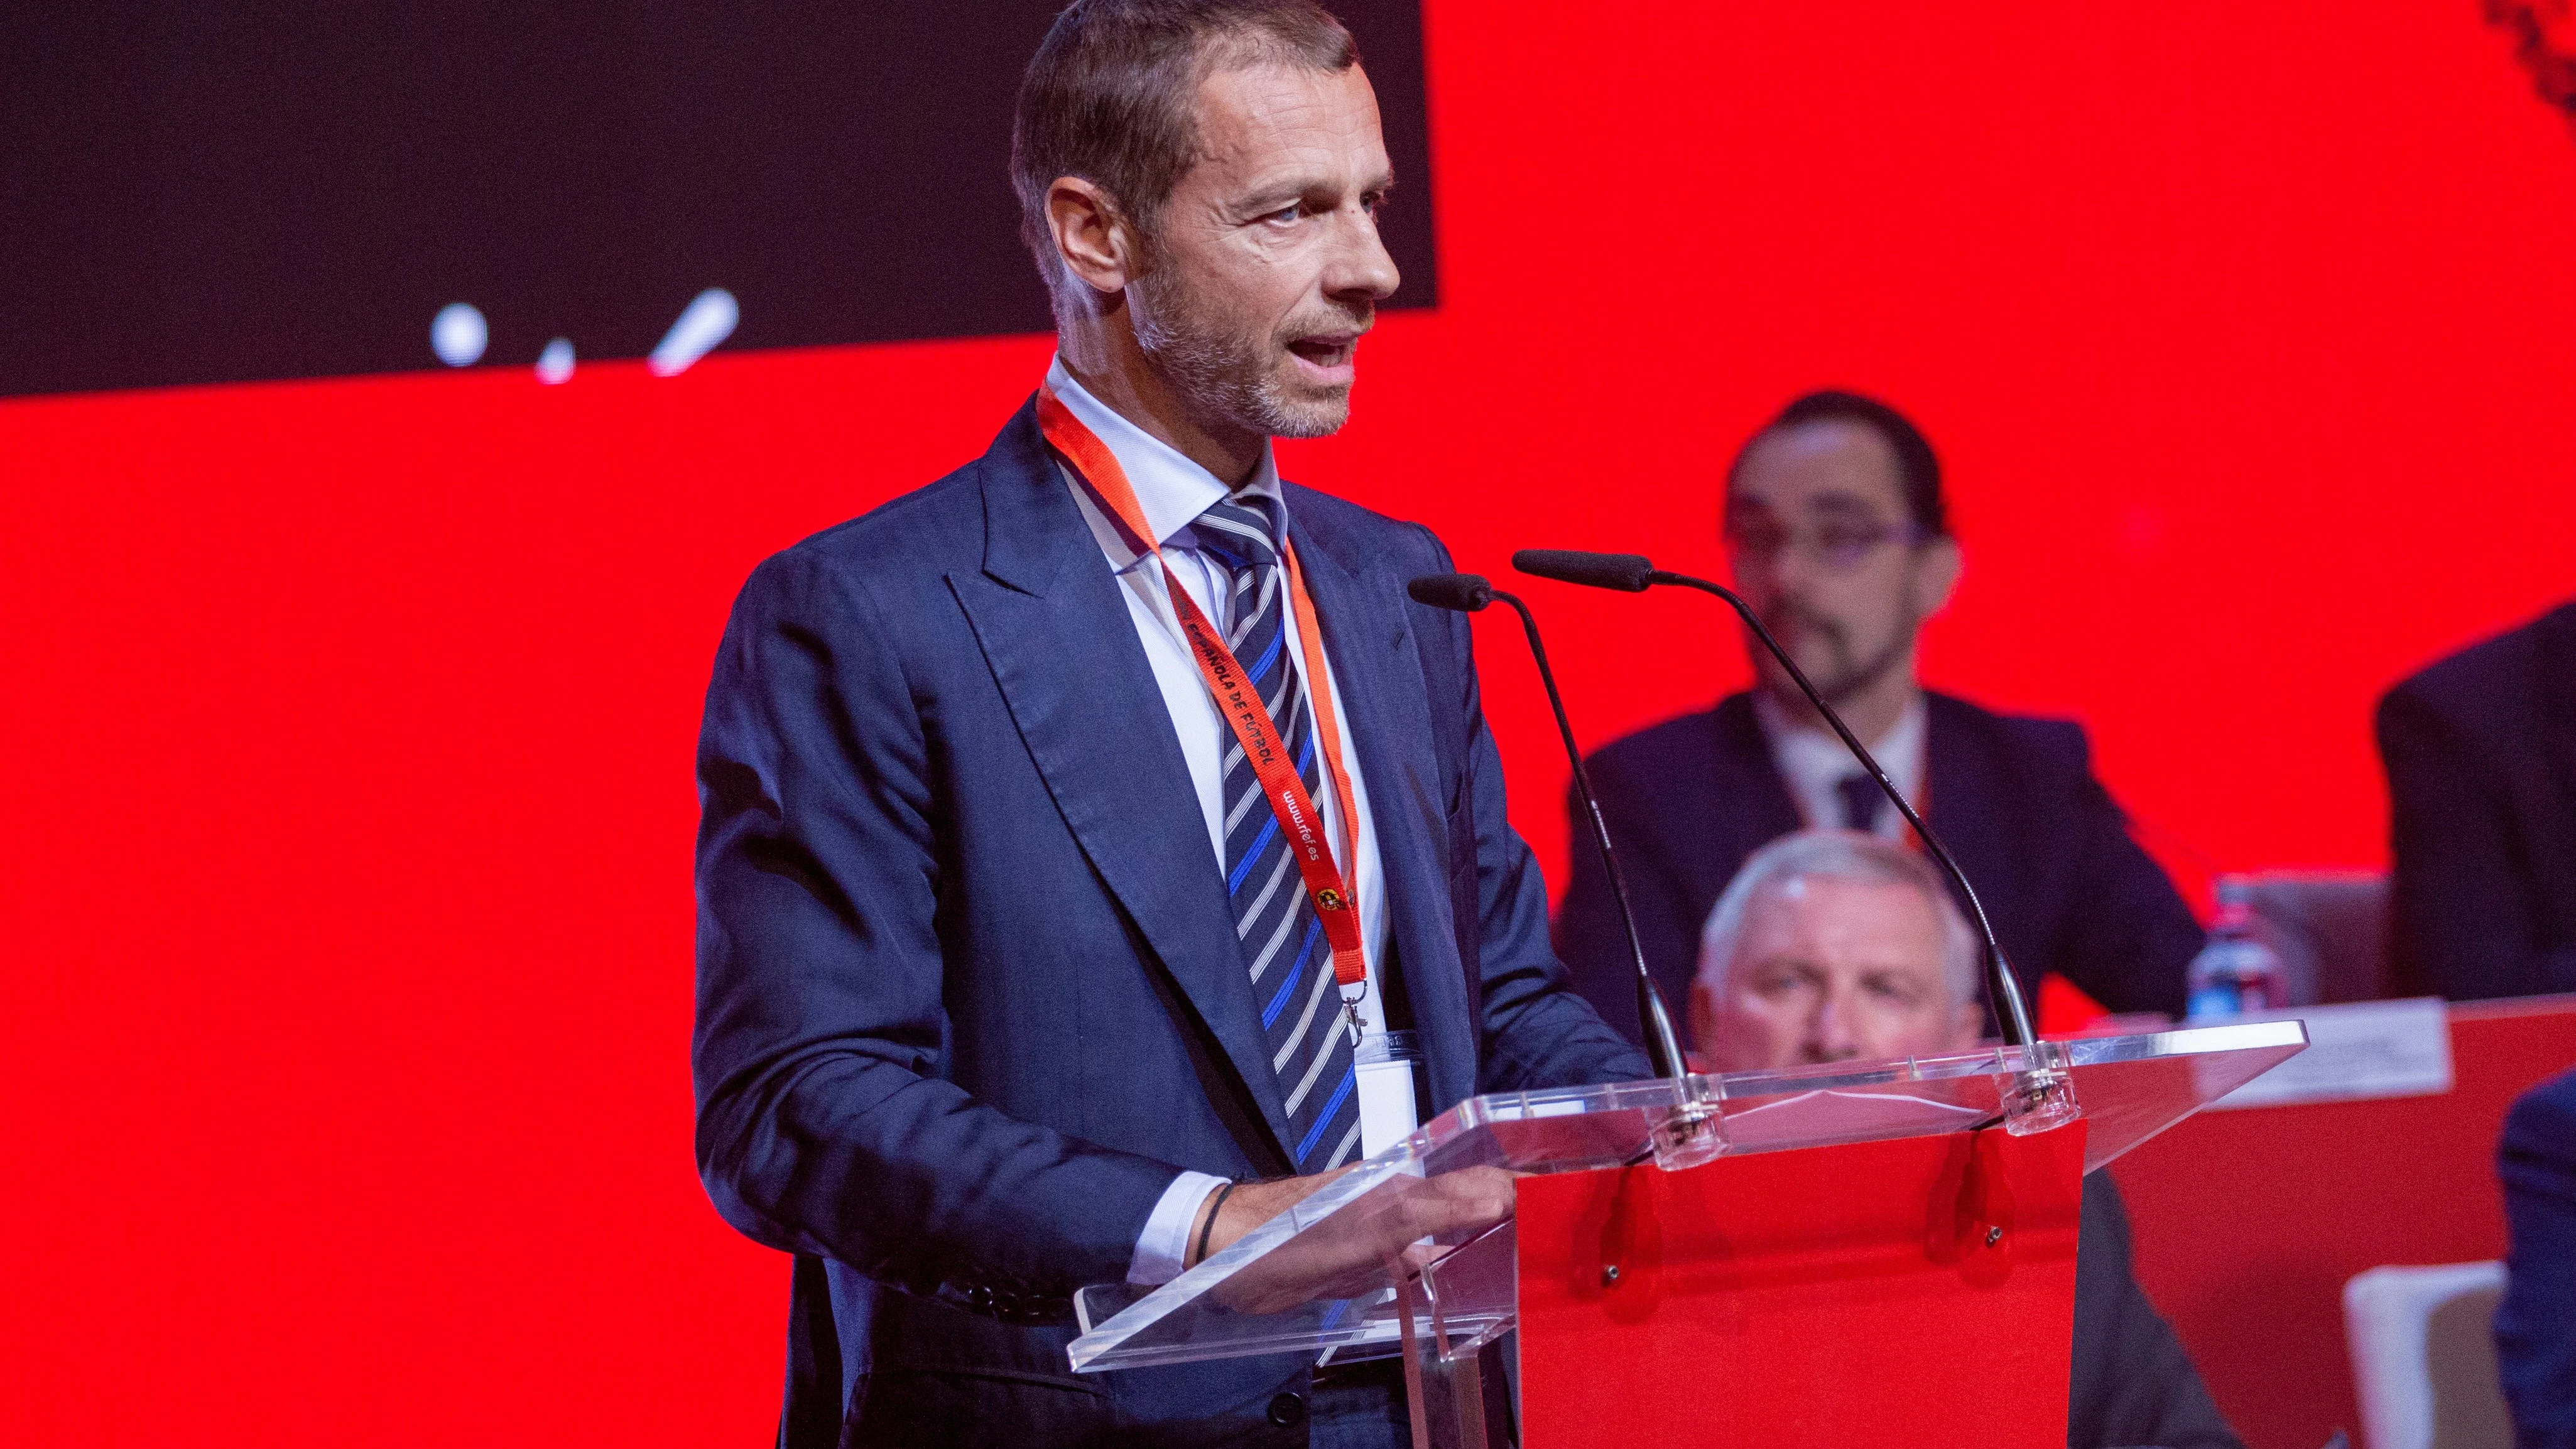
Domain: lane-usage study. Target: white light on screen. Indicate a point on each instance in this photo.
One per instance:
(707, 320)
(458, 335)
(554, 365)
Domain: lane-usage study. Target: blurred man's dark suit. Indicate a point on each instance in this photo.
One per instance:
(2132, 1383)
(2481, 757)
(2015, 800)
(969, 991)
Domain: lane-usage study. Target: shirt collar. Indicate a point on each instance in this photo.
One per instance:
(1172, 489)
(1812, 757)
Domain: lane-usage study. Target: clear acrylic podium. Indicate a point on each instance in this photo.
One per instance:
(1852, 1253)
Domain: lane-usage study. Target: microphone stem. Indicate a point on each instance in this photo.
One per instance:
(2012, 1012)
(1663, 1044)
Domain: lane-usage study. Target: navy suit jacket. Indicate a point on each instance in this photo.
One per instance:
(969, 994)
(2535, 1325)
(2015, 800)
(2481, 757)
(2130, 1383)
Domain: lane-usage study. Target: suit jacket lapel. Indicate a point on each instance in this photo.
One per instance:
(1972, 807)
(1388, 720)
(1056, 634)
(1744, 792)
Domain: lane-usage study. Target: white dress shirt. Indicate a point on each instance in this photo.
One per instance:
(1173, 491)
(1813, 762)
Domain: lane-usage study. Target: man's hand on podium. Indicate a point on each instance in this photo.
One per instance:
(1362, 1247)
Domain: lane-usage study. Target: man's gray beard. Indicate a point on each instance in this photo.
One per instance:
(1219, 376)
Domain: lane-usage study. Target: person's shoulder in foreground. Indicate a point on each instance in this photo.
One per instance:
(935, 525)
(918, 535)
(1406, 549)
(2493, 676)
(2535, 1325)
(2490, 695)
(2480, 753)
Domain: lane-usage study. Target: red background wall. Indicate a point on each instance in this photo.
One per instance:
(347, 909)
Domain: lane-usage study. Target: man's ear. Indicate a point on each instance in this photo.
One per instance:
(1936, 575)
(1093, 238)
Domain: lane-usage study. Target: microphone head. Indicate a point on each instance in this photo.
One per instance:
(1629, 573)
(1465, 593)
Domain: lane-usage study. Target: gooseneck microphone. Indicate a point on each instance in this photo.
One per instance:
(1634, 574)
(1468, 593)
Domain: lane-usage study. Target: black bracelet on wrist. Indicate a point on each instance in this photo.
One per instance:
(1209, 1226)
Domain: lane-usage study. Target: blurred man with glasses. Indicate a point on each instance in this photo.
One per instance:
(1841, 542)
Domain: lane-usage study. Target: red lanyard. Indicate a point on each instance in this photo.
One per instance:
(1300, 825)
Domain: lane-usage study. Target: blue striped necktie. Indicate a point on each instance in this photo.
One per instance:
(1283, 942)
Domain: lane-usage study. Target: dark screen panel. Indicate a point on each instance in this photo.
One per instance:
(218, 193)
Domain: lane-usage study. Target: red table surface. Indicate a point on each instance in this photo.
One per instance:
(2248, 1223)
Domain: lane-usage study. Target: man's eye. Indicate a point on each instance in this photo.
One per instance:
(1285, 214)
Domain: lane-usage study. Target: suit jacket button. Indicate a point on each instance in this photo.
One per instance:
(1287, 1411)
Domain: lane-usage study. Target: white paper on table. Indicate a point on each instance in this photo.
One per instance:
(2356, 1051)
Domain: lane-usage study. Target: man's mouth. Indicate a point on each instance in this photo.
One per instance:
(1326, 356)
(1792, 625)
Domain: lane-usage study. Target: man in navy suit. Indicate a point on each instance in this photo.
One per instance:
(1017, 972)
(2535, 1325)
(1841, 543)
(2481, 756)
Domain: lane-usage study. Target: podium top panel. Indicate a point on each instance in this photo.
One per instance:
(1317, 1277)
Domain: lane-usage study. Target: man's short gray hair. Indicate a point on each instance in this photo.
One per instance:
(1836, 855)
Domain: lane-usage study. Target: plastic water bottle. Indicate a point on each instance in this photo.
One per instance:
(2235, 972)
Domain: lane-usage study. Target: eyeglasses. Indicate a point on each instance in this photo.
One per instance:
(1839, 546)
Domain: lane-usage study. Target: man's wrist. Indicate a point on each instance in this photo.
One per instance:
(1207, 1225)
(1171, 1230)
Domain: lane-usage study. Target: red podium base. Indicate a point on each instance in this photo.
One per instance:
(1919, 1291)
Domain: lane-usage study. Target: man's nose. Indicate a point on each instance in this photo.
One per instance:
(1793, 572)
(1360, 267)
(1829, 1032)
(1780, 601)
